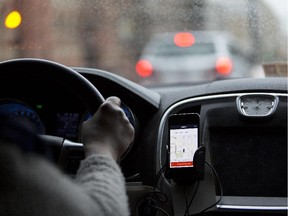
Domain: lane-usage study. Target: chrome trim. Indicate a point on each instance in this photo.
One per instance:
(68, 143)
(190, 100)
(238, 207)
(64, 152)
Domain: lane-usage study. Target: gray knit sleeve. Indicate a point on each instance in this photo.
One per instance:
(101, 178)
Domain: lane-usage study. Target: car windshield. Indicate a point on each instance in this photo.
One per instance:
(151, 41)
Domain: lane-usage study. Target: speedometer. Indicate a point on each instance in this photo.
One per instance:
(22, 112)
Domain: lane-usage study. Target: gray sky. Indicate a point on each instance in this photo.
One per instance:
(281, 9)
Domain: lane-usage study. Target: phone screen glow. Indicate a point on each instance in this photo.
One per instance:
(183, 144)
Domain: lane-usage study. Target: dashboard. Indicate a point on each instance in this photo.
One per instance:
(247, 147)
(243, 126)
(248, 152)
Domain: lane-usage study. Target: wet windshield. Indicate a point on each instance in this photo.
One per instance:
(151, 41)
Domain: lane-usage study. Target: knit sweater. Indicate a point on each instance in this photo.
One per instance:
(31, 185)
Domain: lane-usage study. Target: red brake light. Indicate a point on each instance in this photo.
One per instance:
(184, 39)
(224, 66)
(144, 68)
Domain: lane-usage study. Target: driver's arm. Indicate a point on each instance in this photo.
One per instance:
(106, 137)
(30, 185)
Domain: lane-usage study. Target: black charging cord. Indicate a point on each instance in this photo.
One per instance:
(220, 188)
(158, 175)
(191, 200)
(157, 194)
(196, 189)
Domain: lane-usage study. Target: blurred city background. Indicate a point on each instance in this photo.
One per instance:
(110, 35)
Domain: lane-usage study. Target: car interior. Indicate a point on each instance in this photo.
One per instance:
(210, 138)
(242, 128)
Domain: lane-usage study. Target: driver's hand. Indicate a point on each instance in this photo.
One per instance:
(108, 132)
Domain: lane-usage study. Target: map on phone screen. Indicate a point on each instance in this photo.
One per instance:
(183, 144)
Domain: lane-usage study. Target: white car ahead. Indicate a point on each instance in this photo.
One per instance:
(192, 56)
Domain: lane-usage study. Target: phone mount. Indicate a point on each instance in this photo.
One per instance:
(199, 162)
(190, 175)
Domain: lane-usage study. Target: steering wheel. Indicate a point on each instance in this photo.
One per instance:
(40, 70)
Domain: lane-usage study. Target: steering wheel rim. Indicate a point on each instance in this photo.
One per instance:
(13, 71)
(59, 73)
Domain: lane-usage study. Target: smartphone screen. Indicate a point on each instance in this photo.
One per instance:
(183, 144)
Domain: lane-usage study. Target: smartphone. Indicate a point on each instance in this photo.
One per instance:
(182, 145)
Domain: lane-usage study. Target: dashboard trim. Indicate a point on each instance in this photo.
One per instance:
(246, 207)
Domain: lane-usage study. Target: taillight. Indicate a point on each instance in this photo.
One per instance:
(144, 68)
(184, 39)
(224, 66)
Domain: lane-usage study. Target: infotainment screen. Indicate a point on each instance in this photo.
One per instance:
(250, 162)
